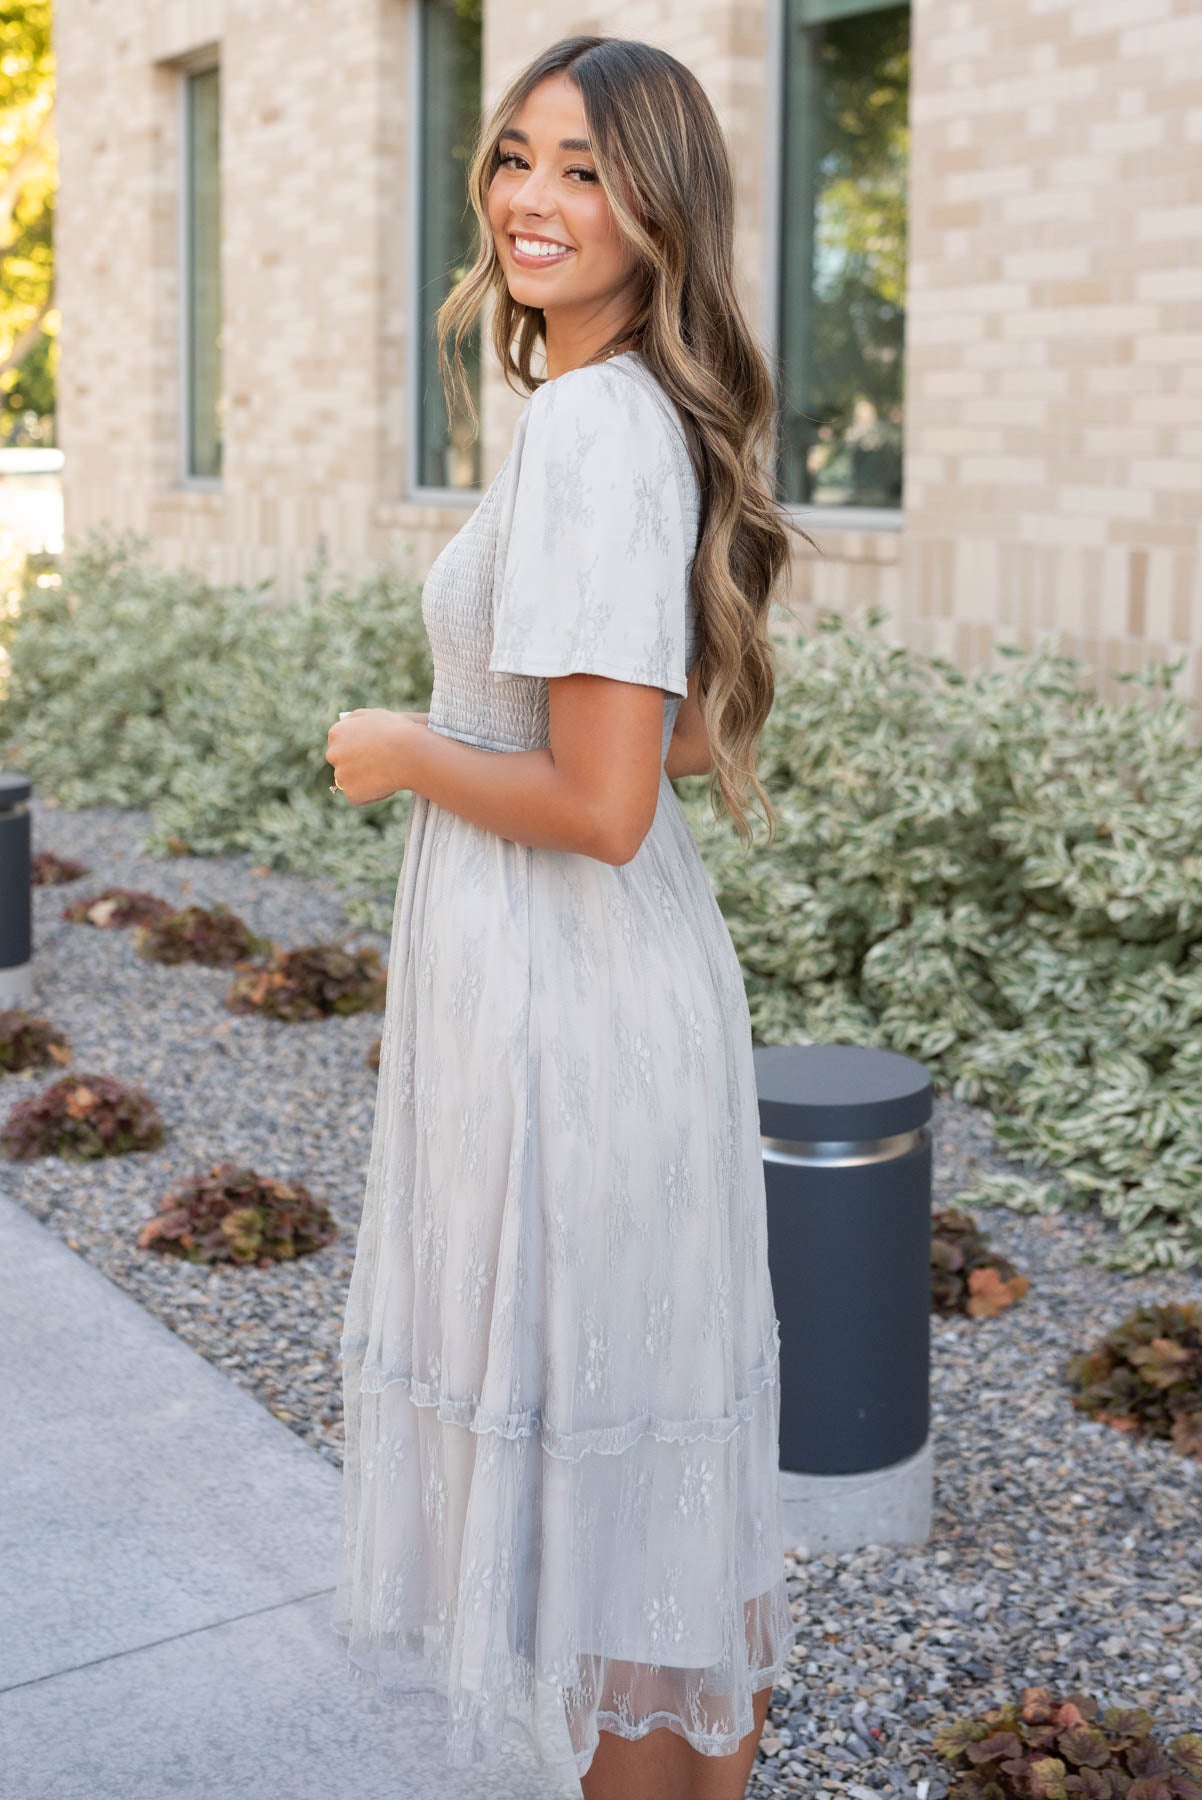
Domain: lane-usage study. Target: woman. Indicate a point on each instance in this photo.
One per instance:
(560, 1354)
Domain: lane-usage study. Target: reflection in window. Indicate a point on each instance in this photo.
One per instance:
(202, 273)
(447, 453)
(843, 252)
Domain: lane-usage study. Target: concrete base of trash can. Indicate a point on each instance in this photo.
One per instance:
(845, 1512)
(16, 984)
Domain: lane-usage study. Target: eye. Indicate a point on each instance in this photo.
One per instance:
(507, 158)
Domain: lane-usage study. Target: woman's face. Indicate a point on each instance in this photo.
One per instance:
(551, 222)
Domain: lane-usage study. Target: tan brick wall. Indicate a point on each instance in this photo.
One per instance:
(1054, 333)
(313, 152)
(1053, 472)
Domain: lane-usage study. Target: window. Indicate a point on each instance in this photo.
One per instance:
(202, 274)
(449, 58)
(842, 235)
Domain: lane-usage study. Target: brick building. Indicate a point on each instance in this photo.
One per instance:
(970, 233)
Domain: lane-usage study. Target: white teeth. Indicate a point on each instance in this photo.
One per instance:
(533, 247)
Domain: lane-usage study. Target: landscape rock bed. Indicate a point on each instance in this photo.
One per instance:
(1061, 1552)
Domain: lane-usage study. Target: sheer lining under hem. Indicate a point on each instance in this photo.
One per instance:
(420, 1677)
(471, 1564)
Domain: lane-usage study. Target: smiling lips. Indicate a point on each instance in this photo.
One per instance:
(532, 252)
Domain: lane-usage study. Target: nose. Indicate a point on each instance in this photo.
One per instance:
(529, 195)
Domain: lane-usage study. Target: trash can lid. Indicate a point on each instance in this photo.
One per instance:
(14, 788)
(839, 1093)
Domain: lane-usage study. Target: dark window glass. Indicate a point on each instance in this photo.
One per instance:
(447, 452)
(202, 284)
(843, 252)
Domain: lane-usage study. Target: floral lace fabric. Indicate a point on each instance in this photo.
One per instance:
(560, 1355)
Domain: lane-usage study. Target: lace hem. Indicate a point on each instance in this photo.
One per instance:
(569, 1446)
(426, 1676)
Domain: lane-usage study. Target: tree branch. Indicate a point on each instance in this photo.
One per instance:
(27, 158)
(24, 341)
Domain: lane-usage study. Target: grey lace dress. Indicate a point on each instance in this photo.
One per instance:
(560, 1353)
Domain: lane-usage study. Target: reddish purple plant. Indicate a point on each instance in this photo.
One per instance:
(51, 870)
(82, 1117)
(214, 936)
(29, 1042)
(311, 983)
(1049, 1749)
(1146, 1376)
(117, 906)
(232, 1214)
(966, 1275)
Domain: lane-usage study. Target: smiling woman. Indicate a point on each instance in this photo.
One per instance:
(548, 209)
(560, 1352)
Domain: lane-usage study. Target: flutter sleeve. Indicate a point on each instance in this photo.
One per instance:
(593, 574)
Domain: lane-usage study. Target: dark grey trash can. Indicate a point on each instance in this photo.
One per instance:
(847, 1169)
(16, 927)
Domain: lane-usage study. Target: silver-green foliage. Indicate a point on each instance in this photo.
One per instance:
(137, 686)
(998, 874)
(1002, 876)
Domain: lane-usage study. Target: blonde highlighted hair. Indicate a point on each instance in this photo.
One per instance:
(655, 136)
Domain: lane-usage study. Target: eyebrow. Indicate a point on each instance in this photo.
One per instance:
(523, 137)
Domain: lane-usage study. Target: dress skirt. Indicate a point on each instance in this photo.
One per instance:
(560, 1356)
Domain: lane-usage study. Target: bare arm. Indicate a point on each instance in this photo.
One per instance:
(689, 750)
(594, 790)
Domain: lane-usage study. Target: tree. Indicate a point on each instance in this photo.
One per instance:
(28, 176)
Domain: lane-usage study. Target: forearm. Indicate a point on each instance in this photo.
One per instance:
(519, 794)
(687, 756)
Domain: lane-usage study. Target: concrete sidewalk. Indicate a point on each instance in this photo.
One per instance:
(166, 1567)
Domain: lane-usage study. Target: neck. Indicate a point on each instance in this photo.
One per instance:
(562, 357)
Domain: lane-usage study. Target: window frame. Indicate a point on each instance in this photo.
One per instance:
(780, 73)
(201, 62)
(416, 489)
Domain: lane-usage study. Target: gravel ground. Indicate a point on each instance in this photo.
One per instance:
(1061, 1552)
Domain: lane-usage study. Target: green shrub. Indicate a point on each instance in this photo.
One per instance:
(998, 874)
(1146, 1376)
(1049, 1749)
(136, 686)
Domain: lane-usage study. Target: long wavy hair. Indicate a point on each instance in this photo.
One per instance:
(655, 137)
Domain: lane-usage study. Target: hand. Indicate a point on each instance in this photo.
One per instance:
(371, 752)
